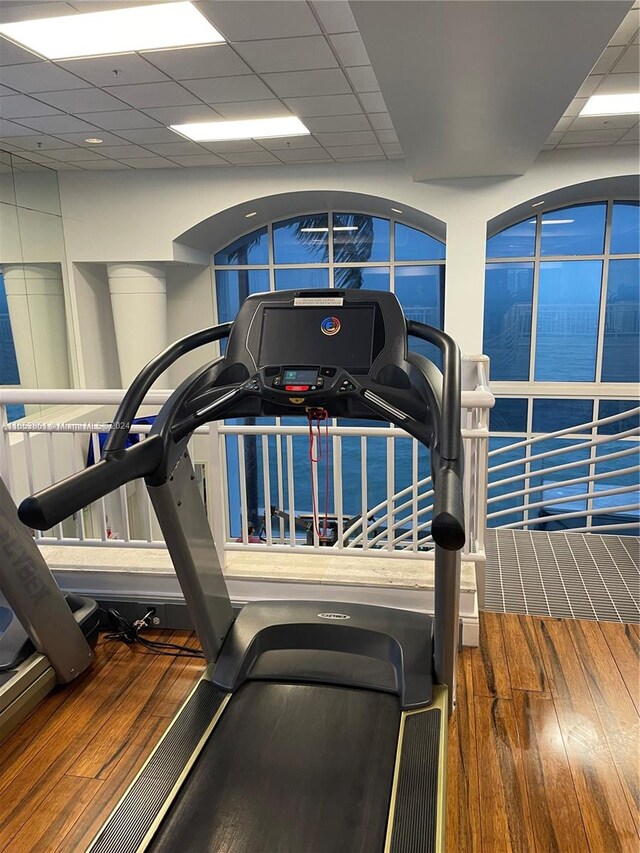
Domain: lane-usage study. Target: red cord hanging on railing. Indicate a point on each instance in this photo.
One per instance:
(317, 416)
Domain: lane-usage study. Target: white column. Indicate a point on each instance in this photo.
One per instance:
(464, 282)
(139, 302)
(35, 297)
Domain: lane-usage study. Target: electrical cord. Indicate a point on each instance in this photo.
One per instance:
(130, 633)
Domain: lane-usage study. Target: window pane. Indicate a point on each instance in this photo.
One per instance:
(414, 245)
(303, 240)
(251, 249)
(302, 279)
(505, 491)
(419, 291)
(567, 329)
(621, 354)
(8, 364)
(233, 287)
(367, 238)
(507, 319)
(609, 408)
(509, 415)
(365, 278)
(553, 415)
(516, 242)
(574, 230)
(625, 228)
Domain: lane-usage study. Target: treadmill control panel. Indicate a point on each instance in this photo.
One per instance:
(278, 382)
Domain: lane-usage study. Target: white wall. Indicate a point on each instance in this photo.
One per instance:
(140, 214)
(189, 308)
(95, 332)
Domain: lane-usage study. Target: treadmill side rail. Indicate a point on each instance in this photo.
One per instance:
(183, 519)
(35, 598)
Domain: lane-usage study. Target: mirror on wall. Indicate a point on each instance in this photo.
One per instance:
(34, 349)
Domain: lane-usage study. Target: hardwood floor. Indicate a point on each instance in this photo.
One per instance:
(544, 748)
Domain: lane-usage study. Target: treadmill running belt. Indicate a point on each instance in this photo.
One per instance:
(290, 768)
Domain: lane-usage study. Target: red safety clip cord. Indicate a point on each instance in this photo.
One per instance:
(316, 417)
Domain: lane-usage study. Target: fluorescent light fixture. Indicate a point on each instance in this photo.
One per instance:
(325, 230)
(537, 203)
(258, 128)
(611, 105)
(156, 27)
(557, 221)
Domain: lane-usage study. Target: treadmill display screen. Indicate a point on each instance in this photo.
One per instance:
(319, 335)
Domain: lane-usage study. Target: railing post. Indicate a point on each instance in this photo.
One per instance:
(5, 449)
(219, 496)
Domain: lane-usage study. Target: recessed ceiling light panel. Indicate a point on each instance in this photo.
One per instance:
(260, 128)
(611, 105)
(156, 27)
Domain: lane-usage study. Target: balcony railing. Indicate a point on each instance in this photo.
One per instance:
(381, 495)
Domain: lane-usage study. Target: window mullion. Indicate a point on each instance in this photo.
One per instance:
(534, 300)
(603, 293)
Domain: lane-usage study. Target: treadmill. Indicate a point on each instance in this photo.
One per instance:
(46, 637)
(317, 727)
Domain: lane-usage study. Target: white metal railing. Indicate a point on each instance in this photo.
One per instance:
(563, 483)
(52, 442)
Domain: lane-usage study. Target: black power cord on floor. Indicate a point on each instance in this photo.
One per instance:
(131, 634)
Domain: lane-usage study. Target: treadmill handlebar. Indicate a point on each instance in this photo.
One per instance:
(447, 526)
(116, 440)
(52, 505)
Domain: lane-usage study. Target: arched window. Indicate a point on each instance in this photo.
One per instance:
(343, 250)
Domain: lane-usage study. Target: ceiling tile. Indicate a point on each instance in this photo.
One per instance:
(242, 20)
(564, 123)
(607, 60)
(120, 119)
(363, 79)
(20, 106)
(40, 77)
(12, 54)
(9, 128)
(39, 142)
(603, 122)
(125, 69)
(180, 146)
(554, 138)
(362, 137)
(267, 108)
(21, 10)
(350, 48)
(589, 86)
(104, 166)
(304, 155)
(236, 145)
(79, 139)
(629, 63)
(289, 143)
(575, 106)
(292, 54)
(148, 135)
(306, 83)
(81, 100)
(632, 135)
(199, 160)
(373, 102)
(393, 149)
(627, 28)
(73, 155)
(181, 115)
(353, 152)
(116, 152)
(615, 84)
(5, 90)
(603, 136)
(57, 124)
(564, 145)
(150, 163)
(215, 90)
(387, 136)
(335, 16)
(324, 105)
(153, 95)
(335, 124)
(250, 158)
(217, 60)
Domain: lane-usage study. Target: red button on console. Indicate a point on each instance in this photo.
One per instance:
(296, 387)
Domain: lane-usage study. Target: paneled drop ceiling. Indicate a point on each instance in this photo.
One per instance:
(283, 57)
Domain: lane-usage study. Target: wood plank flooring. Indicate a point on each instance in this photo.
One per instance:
(544, 748)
